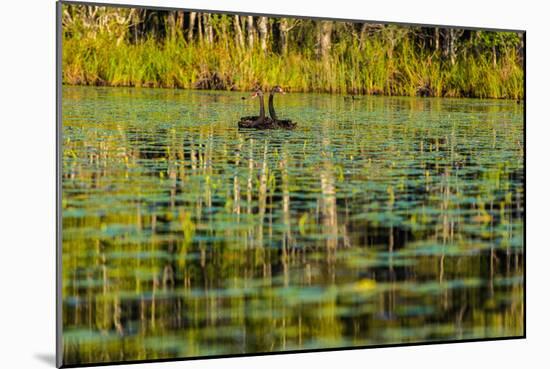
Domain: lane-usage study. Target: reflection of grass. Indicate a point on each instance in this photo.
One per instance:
(174, 63)
(161, 262)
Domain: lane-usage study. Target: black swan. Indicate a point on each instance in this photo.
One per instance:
(281, 123)
(257, 121)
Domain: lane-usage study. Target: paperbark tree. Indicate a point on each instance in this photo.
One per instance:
(208, 30)
(250, 29)
(192, 17)
(324, 39)
(199, 26)
(262, 30)
(450, 36)
(239, 39)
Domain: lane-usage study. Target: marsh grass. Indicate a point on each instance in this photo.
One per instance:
(374, 68)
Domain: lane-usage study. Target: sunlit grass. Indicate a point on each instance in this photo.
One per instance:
(174, 63)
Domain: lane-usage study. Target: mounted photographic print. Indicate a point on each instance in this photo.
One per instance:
(243, 184)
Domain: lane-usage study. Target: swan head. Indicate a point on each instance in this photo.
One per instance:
(278, 89)
(257, 92)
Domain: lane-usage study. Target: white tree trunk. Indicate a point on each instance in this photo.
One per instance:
(239, 40)
(262, 29)
(250, 30)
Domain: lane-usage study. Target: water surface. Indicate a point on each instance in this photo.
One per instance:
(377, 221)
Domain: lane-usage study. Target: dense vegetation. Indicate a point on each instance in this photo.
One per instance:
(181, 49)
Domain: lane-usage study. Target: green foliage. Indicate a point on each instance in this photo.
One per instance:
(503, 41)
(122, 47)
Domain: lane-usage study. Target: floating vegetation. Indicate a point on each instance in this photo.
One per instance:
(396, 220)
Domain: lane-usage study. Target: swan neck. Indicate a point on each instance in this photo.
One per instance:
(262, 109)
(271, 106)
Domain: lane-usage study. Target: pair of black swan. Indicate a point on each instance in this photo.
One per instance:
(263, 122)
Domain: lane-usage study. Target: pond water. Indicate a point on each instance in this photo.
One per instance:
(380, 220)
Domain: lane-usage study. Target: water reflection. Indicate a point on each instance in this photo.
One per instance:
(380, 220)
